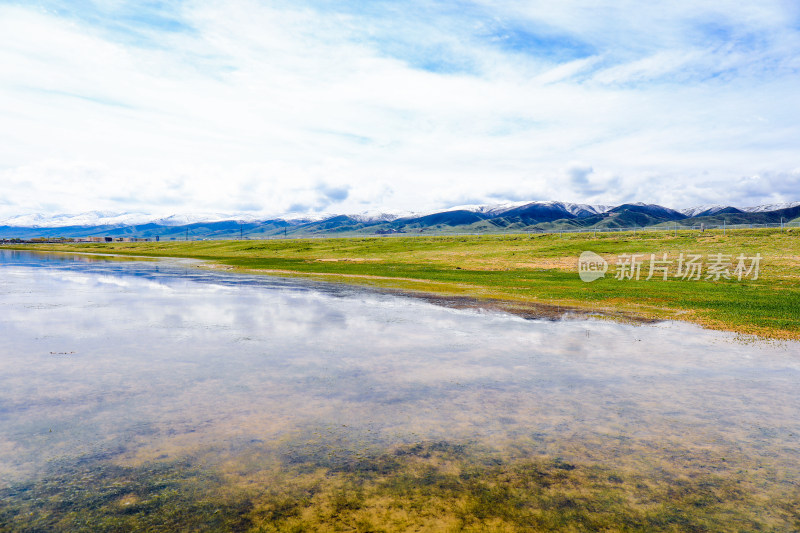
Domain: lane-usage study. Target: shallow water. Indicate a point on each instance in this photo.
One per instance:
(137, 364)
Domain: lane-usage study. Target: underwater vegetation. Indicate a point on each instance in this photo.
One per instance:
(428, 486)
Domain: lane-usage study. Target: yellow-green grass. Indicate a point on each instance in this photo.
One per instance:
(530, 270)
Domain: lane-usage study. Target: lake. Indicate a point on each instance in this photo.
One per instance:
(162, 395)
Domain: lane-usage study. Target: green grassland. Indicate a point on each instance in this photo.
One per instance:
(530, 271)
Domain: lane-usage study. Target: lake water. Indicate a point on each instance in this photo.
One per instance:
(158, 394)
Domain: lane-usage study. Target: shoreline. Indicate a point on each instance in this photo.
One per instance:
(481, 273)
(525, 309)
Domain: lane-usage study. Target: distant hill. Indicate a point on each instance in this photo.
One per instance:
(514, 217)
(733, 216)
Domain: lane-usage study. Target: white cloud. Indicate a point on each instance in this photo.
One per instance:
(262, 107)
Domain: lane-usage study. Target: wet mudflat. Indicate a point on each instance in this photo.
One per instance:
(157, 395)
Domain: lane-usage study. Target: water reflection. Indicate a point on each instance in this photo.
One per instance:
(143, 361)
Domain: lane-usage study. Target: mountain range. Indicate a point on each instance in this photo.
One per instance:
(509, 217)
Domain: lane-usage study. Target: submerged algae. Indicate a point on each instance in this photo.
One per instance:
(427, 486)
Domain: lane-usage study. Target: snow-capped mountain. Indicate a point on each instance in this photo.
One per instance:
(585, 210)
(370, 217)
(525, 213)
(713, 209)
(90, 218)
(494, 210)
(769, 207)
(108, 218)
(703, 210)
(194, 218)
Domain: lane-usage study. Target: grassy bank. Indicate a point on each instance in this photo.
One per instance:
(531, 270)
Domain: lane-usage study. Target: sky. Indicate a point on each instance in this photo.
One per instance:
(320, 106)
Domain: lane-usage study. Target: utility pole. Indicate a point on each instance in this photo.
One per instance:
(723, 227)
(187, 234)
(241, 233)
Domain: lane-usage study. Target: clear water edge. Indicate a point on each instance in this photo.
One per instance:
(134, 363)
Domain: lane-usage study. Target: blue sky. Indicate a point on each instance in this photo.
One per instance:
(268, 107)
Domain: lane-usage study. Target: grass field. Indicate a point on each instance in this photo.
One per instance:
(533, 270)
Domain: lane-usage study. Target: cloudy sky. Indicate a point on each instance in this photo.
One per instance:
(271, 106)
